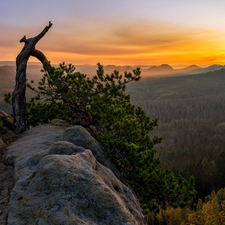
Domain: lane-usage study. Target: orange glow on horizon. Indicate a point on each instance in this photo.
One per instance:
(175, 46)
(178, 33)
(172, 58)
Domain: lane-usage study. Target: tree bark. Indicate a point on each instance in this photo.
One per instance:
(18, 96)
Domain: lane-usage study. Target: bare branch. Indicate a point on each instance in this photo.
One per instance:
(39, 55)
(18, 96)
(41, 35)
(24, 39)
(31, 42)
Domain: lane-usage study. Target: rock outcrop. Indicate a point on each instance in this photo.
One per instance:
(6, 185)
(79, 136)
(6, 123)
(6, 172)
(60, 179)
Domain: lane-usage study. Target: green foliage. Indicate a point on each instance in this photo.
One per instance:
(100, 104)
(211, 211)
(192, 128)
(8, 98)
(170, 216)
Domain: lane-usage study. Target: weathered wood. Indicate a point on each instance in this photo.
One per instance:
(18, 96)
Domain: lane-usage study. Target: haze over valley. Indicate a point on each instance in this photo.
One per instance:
(8, 70)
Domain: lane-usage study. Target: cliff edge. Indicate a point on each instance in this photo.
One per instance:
(62, 176)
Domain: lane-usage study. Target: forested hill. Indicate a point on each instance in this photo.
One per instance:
(211, 83)
(191, 121)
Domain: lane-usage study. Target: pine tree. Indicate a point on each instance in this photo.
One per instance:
(100, 104)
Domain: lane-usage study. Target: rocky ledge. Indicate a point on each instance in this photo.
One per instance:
(62, 176)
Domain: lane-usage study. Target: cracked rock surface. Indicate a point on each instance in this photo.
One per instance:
(6, 185)
(60, 179)
(6, 176)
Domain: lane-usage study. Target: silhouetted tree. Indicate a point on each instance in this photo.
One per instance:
(18, 96)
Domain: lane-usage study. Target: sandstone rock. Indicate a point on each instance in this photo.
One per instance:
(6, 122)
(80, 136)
(31, 142)
(59, 182)
(6, 185)
(58, 122)
(73, 189)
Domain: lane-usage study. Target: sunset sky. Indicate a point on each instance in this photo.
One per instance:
(119, 32)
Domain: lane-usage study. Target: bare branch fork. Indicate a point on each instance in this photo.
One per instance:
(18, 96)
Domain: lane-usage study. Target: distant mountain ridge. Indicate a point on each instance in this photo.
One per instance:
(192, 67)
(160, 70)
(166, 70)
(8, 73)
(8, 70)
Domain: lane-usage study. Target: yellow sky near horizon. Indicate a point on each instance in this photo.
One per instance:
(188, 36)
(128, 45)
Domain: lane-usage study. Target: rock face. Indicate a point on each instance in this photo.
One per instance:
(59, 180)
(6, 185)
(79, 136)
(6, 122)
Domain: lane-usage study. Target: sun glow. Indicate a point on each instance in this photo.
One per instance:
(173, 46)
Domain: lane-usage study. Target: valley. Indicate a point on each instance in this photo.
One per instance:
(190, 111)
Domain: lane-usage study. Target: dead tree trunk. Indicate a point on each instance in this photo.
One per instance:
(18, 96)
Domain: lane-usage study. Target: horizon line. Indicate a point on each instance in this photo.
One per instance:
(134, 65)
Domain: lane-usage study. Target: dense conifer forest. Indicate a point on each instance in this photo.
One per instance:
(190, 111)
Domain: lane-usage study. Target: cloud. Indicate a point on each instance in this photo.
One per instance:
(132, 38)
(135, 42)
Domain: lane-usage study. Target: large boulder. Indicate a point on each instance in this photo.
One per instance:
(78, 135)
(6, 123)
(61, 182)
